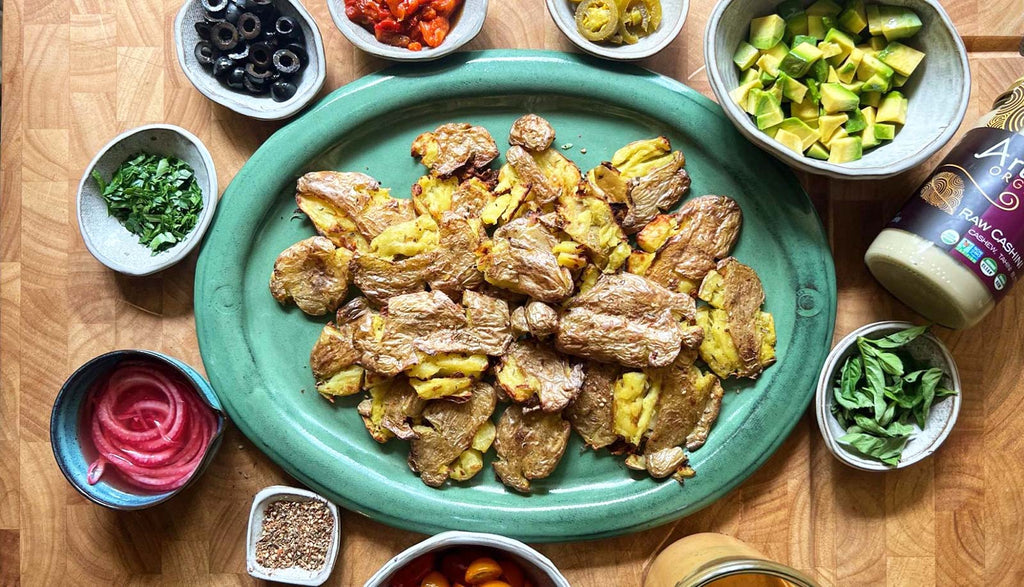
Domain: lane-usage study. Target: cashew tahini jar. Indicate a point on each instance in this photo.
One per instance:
(957, 246)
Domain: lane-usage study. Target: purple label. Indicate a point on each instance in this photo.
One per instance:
(971, 207)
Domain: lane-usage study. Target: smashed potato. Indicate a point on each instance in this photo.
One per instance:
(531, 132)
(529, 446)
(448, 428)
(349, 208)
(590, 222)
(453, 147)
(532, 373)
(635, 395)
(520, 257)
(433, 195)
(739, 338)
(391, 409)
(406, 239)
(313, 273)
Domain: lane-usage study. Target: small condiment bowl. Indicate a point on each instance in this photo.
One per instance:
(65, 437)
(673, 15)
(105, 237)
(927, 349)
(308, 82)
(465, 26)
(938, 91)
(538, 568)
(293, 575)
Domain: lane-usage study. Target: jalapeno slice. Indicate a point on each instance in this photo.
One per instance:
(597, 20)
(637, 18)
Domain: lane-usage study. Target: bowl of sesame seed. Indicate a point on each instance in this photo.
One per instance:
(293, 536)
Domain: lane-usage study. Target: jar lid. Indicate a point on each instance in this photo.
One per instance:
(1009, 108)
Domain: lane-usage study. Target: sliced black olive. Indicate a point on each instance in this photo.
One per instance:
(223, 66)
(249, 26)
(300, 52)
(282, 90)
(257, 73)
(215, 6)
(224, 36)
(253, 87)
(241, 53)
(286, 62)
(236, 78)
(204, 53)
(232, 13)
(286, 27)
(261, 54)
(245, 5)
(203, 29)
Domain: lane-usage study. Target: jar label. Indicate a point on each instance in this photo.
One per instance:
(971, 205)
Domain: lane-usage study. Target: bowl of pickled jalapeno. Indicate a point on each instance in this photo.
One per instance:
(260, 58)
(620, 30)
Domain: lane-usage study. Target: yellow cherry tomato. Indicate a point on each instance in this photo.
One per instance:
(435, 579)
(482, 570)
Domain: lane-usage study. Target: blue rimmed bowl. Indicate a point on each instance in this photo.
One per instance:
(65, 438)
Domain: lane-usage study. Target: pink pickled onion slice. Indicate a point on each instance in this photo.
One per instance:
(150, 425)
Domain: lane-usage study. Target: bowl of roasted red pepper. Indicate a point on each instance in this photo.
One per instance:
(409, 30)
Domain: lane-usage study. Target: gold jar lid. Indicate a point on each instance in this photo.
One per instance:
(1009, 108)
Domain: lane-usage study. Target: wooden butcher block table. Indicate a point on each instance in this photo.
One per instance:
(78, 72)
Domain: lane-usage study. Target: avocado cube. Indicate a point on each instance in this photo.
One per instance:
(818, 151)
(876, 83)
(898, 22)
(796, 25)
(845, 149)
(768, 111)
(824, 8)
(867, 136)
(871, 65)
(790, 8)
(808, 136)
(819, 71)
(898, 81)
(750, 75)
(739, 95)
(855, 87)
(829, 49)
(877, 43)
(840, 133)
(814, 90)
(799, 59)
(840, 38)
(885, 131)
(874, 19)
(793, 90)
(856, 123)
(829, 124)
(767, 31)
(800, 39)
(776, 91)
(816, 26)
(893, 108)
(752, 99)
(779, 51)
(901, 58)
(854, 18)
(745, 56)
(848, 70)
(790, 141)
(807, 110)
(836, 98)
(868, 98)
(766, 78)
(833, 77)
(769, 64)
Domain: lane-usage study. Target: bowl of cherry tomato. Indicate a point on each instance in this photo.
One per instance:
(409, 30)
(468, 559)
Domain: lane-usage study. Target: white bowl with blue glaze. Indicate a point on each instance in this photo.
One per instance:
(66, 415)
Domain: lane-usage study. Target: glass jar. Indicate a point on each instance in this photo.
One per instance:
(717, 560)
(955, 248)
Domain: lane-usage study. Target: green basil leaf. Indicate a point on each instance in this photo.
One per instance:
(886, 450)
(901, 338)
(874, 376)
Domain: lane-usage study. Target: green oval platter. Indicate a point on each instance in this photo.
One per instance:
(256, 351)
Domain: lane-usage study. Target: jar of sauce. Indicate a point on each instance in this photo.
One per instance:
(717, 560)
(957, 246)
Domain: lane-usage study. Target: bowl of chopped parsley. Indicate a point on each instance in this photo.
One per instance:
(888, 396)
(147, 198)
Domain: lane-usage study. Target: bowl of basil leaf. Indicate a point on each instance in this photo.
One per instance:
(147, 198)
(888, 396)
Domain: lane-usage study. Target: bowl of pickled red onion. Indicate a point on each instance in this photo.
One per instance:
(132, 428)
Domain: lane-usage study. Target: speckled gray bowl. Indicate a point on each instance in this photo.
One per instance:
(673, 15)
(105, 237)
(465, 26)
(938, 90)
(927, 349)
(308, 82)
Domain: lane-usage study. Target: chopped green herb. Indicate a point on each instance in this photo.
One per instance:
(156, 198)
(878, 402)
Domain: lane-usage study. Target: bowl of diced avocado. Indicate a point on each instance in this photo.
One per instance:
(852, 89)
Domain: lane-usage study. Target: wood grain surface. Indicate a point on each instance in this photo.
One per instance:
(78, 72)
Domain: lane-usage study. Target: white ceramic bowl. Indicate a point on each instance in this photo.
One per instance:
(538, 569)
(938, 91)
(308, 82)
(105, 237)
(673, 15)
(294, 575)
(468, 21)
(927, 349)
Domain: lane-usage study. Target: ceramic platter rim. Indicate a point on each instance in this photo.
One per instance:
(805, 311)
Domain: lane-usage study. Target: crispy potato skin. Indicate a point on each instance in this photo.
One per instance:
(390, 408)
(591, 411)
(520, 257)
(532, 373)
(453, 147)
(660, 189)
(529, 446)
(313, 273)
(531, 132)
(447, 431)
(707, 228)
(349, 208)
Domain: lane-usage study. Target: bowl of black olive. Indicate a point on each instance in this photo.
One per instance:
(261, 58)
